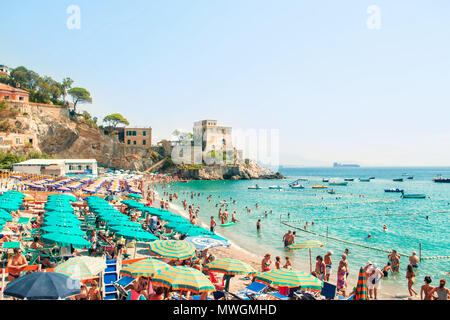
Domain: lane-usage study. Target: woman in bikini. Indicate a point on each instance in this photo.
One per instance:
(426, 291)
(265, 263)
(411, 276)
(15, 265)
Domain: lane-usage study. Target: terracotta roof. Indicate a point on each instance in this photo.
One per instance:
(5, 87)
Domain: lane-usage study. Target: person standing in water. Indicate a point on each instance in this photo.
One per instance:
(213, 224)
(258, 225)
(414, 260)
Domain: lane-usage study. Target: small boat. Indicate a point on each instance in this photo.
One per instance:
(325, 180)
(393, 190)
(349, 179)
(255, 187)
(414, 196)
(410, 178)
(440, 179)
(364, 180)
(331, 191)
(184, 181)
(371, 178)
(276, 187)
(398, 179)
(297, 186)
(316, 186)
(338, 183)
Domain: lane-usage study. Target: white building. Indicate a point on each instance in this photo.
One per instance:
(57, 166)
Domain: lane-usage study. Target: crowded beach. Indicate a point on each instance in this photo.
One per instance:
(117, 237)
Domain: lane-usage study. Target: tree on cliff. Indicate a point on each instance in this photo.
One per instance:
(115, 119)
(66, 84)
(79, 95)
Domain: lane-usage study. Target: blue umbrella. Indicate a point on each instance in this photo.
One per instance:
(205, 242)
(43, 286)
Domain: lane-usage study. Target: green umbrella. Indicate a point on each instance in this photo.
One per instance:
(64, 240)
(5, 215)
(143, 236)
(64, 230)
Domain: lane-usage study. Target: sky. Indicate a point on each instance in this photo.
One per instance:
(339, 83)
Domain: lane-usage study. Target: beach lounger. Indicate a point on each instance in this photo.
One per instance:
(328, 291)
(252, 291)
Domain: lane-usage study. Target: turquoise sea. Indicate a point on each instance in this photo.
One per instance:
(351, 214)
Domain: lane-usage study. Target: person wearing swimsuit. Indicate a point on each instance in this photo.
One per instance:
(265, 263)
(411, 276)
(320, 268)
(15, 265)
(426, 291)
(342, 278)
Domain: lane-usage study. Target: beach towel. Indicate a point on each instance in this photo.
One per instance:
(283, 290)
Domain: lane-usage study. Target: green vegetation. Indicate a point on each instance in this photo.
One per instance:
(43, 89)
(167, 164)
(7, 159)
(115, 119)
(79, 96)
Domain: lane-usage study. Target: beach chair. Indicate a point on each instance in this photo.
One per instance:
(328, 291)
(121, 286)
(252, 291)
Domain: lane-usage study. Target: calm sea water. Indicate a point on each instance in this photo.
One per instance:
(366, 200)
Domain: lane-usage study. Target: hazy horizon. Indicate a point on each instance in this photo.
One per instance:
(336, 89)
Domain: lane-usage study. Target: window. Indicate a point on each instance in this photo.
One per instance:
(144, 142)
(18, 141)
(6, 97)
(21, 98)
(134, 133)
(1, 139)
(134, 142)
(128, 141)
(30, 141)
(144, 133)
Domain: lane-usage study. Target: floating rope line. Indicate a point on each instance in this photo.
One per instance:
(358, 244)
(379, 215)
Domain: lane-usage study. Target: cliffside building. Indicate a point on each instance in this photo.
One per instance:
(56, 166)
(133, 137)
(4, 70)
(9, 93)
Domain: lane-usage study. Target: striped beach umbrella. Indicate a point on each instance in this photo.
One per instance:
(361, 286)
(183, 279)
(147, 268)
(82, 267)
(307, 244)
(230, 267)
(172, 249)
(291, 279)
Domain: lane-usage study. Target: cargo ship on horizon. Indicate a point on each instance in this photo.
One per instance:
(345, 165)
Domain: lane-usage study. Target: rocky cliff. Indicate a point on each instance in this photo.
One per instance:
(241, 171)
(58, 135)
